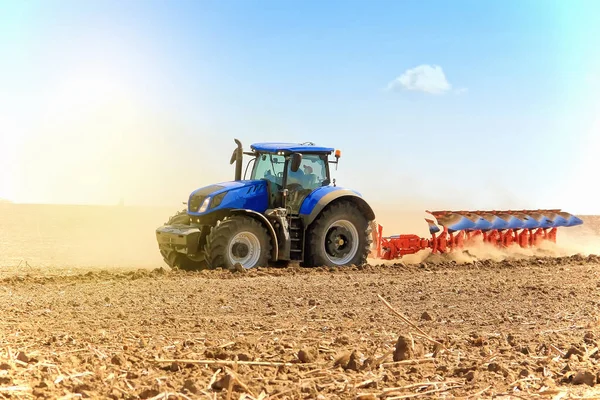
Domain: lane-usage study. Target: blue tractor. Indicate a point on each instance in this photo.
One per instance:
(289, 210)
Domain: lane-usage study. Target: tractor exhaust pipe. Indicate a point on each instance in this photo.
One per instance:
(238, 158)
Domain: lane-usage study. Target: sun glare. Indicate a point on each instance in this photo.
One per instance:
(96, 141)
(74, 152)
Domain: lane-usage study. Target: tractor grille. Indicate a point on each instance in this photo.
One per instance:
(198, 197)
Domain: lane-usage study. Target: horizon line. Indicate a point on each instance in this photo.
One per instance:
(120, 205)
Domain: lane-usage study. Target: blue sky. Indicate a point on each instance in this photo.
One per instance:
(434, 104)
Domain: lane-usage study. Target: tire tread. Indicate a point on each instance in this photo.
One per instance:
(316, 233)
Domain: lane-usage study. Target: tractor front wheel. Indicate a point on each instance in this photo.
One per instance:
(238, 240)
(340, 236)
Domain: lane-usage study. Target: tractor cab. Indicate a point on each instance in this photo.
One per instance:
(292, 171)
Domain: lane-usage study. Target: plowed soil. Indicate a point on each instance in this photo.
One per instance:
(508, 329)
(87, 312)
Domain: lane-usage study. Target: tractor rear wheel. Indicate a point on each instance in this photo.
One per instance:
(238, 240)
(177, 260)
(340, 236)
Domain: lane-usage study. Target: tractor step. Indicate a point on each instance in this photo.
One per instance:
(296, 230)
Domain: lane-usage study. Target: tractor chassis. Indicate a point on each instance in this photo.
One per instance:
(189, 240)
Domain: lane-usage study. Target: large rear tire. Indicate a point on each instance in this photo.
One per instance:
(340, 236)
(238, 239)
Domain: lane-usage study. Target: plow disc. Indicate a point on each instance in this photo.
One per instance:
(460, 229)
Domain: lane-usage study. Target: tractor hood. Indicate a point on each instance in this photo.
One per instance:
(248, 194)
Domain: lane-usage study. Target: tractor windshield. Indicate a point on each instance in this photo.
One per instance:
(269, 166)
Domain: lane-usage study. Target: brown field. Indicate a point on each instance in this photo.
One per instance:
(87, 311)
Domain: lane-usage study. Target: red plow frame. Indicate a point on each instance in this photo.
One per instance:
(460, 229)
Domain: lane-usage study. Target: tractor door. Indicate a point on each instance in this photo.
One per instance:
(312, 174)
(270, 167)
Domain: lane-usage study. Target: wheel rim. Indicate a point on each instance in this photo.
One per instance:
(244, 249)
(341, 242)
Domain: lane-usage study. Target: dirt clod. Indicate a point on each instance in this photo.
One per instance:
(342, 359)
(308, 355)
(148, 393)
(244, 357)
(22, 357)
(470, 376)
(404, 349)
(237, 267)
(190, 386)
(118, 360)
(573, 351)
(342, 340)
(143, 334)
(354, 362)
(366, 396)
(584, 377)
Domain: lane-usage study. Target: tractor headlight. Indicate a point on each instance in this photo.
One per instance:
(204, 205)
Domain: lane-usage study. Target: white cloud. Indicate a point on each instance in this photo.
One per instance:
(424, 78)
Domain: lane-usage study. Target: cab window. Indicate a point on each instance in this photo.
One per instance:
(311, 174)
(269, 166)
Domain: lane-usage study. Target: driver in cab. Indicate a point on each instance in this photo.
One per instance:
(295, 178)
(302, 178)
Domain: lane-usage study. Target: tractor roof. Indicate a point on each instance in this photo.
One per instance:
(270, 147)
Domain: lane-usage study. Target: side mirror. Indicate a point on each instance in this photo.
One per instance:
(233, 157)
(296, 160)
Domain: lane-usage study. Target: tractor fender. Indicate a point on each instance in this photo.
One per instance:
(322, 197)
(267, 223)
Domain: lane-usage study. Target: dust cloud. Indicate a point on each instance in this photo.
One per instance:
(67, 236)
(114, 148)
(50, 237)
